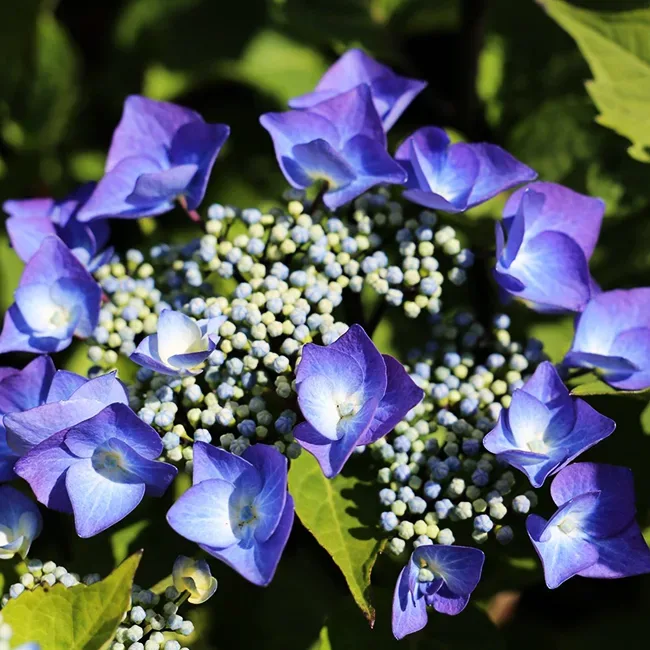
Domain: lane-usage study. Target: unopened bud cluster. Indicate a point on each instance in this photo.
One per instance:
(150, 620)
(437, 482)
(44, 575)
(280, 278)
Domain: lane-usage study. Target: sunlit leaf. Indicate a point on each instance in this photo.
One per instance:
(617, 48)
(79, 618)
(330, 510)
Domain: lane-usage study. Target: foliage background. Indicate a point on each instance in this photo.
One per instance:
(498, 70)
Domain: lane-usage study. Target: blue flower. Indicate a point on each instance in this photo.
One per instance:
(340, 141)
(180, 344)
(56, 299)
(159, 152)
(20, 523)
(350, 395)
(21, 390)
(238, 508)
(593, 533)
(551, 233)
(194, 576)
(544, 428)
(65, 400)
(613, 336)
(456, 177)
(442, 577)
(391, 94)
(32, 220)
(98, 469)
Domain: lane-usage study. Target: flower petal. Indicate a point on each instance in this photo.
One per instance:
(402, 394)
(210, 462)
(409, 614)
(257, 562)
(202, 514)
(98, 502)
(270, 500)
(562, 556)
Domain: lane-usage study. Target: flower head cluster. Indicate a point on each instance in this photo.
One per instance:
(436, 480)
(254, 343)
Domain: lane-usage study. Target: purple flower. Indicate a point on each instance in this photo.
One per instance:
(350, 395)
(159, 152)
(21, 390)
(340, 141)
(544, 428)
(98, 469)
(442, 577)
(32, 220)
(20, 523)
(593, 534)
(456, 177)
(64, 402)
(180, 344)
(56, 299)
(551, 233)
(613, 336)
(391, 94)
(238, 508)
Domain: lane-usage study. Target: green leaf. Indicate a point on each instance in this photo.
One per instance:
(617, 48)
(10, 270)
(53, 89)
(330, 509)
(122, 539)
(79, 618)
(277, 65)
(599, 387)
(18, 21)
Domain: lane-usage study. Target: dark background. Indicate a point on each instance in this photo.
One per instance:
(498, 70)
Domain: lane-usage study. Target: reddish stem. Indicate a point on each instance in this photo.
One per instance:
(192, 214)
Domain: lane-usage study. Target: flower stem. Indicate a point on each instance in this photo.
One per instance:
(192, 214)
(315, 204)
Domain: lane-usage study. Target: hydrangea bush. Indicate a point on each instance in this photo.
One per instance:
(241, 375)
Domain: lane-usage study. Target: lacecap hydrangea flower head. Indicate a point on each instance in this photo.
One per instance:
(235, 385)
